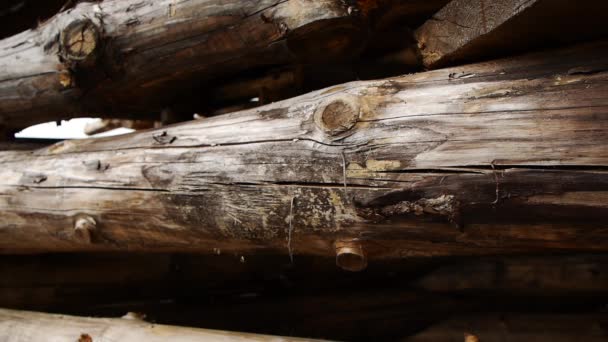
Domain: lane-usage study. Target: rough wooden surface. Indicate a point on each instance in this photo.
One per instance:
(469, 30)
(22, 326)
(128, 58)
(501, 157)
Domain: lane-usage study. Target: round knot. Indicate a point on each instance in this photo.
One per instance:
(79, 40)
(337, 116)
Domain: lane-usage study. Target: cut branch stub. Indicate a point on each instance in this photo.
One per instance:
(350, 256)
(83, 228)
(338, 115)
(80, 42)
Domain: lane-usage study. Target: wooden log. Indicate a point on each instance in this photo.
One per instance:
(388, 313)
(562, 276)
(499, 157)
(62, 282)
(128, 58)
(518, 327)
(392, 22)
(470, 30)
(21, 326)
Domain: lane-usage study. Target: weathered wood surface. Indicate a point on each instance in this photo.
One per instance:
(518, 327)
(501, 157)
(128, 58)
(22, 326)
(469, 30)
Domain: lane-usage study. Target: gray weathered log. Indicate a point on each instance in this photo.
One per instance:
(469, 30)
(133, 58)
(22, 326)
(501, 157)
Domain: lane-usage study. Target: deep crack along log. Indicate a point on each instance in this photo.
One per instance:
(511, 159)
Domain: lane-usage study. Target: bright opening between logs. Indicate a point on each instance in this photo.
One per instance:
(67, 129)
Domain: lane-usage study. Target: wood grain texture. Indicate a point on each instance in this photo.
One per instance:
(501, 157)
(22, 326)
(470, 30)
(135, 58)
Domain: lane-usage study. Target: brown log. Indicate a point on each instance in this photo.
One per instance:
(580, 275)
(266, 295)
(133, 58)
(22, 326)
(60, 282)
(470, 30)
(518, 327)
(500, 157)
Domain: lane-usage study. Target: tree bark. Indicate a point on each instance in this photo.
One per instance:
(21, 326)
(501, 157)
(131, 58)
(470, 30)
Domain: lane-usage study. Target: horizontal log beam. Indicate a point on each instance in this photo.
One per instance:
(470, 30)
(542, 276)
(22, 326)
(501, 157)
(62, 282)
(132, 58)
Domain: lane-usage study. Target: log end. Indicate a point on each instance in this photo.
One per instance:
(350, 256)
(80, 41)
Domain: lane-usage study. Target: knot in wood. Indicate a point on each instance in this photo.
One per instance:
(79, 41)
(350, 256)
(337, 116)
(83, 228)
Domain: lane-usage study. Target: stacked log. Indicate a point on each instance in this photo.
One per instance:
(498, 157)
(130, 57)
(324, 190)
